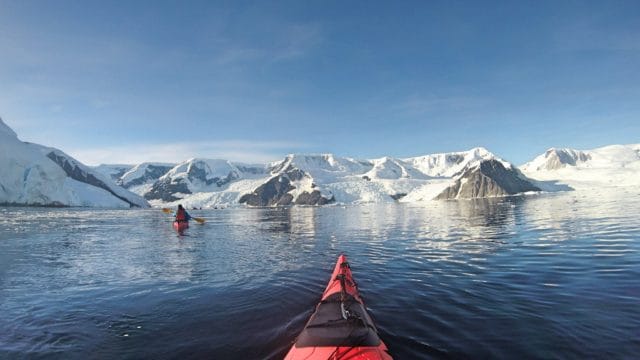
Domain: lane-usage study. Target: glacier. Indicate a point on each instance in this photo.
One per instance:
(38, 175)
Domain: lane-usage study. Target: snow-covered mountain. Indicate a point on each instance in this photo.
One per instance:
(203, 176)
(301, 179)
(554, 159)
(488, 178)
(141, 177)
(450, 164)
(288, 186)
(609, 166)
(390, 168)
(33, 174)
(114, 171)
(39, 175)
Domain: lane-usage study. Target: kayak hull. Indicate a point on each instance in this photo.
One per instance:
(340, 327)
(180, 226)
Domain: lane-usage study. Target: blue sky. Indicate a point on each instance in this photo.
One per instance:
(126, 82)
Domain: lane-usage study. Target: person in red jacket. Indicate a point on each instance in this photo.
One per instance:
(182, 215)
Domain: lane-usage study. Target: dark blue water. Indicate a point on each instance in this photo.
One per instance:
(554, 276)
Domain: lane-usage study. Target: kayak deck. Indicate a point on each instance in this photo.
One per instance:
(340, 327)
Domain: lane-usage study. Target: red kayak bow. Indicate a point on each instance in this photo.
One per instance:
(340, 327)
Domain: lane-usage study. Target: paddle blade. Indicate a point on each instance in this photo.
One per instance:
(167, 210)
(199, 220)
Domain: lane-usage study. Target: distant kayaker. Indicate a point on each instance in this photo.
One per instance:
(182, 215)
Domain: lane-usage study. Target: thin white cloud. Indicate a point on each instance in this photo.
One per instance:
(288, 43)
(298, 41)
(235, 150)
(431, 104)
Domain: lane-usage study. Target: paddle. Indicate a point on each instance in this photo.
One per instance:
(197, 219)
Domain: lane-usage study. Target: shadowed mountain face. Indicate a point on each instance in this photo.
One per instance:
(324, 179)
(151, 173)
(489, 179)
(277, 191)
(560, 157)
(273, 192)
(554, 159)
(80, 173)
(198, 173)
(38, 175)
(193, 176)
(166, 189)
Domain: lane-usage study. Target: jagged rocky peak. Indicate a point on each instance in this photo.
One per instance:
(290, 185)
(393, 169)
(188, 177)
(612, 157)
(325, 163)
(274, 192)
(449, 164)
(488, 178)
(555, 158)
(144, 173)
(206, 172)
(282, 190)
(200, 175)
(168, 189)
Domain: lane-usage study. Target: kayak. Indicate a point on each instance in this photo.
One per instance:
(180, 226)
(340, 327)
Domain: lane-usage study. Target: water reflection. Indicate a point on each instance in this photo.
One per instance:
(495, 278)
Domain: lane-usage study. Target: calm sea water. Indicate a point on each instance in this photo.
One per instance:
(554, 276)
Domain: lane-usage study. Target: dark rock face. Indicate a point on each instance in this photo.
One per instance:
(313, 198)
(164, 190)
(490, 179)
(197, 173)
(275, 192)
(75, 172)
(280, 166)
(454, 159)
(251, 169)
(398, 196)
(557, 158)
(294, 174)
(151, 173)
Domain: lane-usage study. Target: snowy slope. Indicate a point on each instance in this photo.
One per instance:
(312, 179)
(39, 175)
(347, 180)
(554, 159)
(201, 176)
(115, 171)
(449, 164)
(610, 166)
(390, 168)
(387, 179)
(140, 178)
(324, 167)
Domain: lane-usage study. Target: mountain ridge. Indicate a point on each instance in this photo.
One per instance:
(39, 175)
